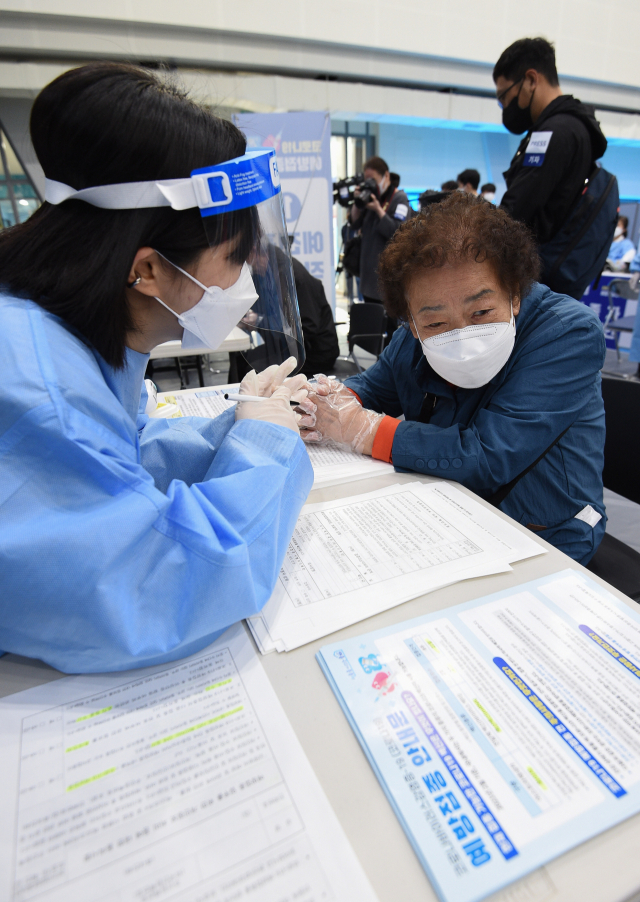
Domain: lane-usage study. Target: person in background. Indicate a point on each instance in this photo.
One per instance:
(493, 381)
(388, 209)
(319, 332)
(449, 186)
(426, 198)
(622, 250)
(543, 187)
(468, 181)
(394, 178)
(320, 337)
(488, 191)
(353, 282)
(634, 281)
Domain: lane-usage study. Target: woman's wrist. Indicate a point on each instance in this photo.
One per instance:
(367, 447)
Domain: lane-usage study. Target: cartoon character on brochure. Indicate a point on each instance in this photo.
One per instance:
(383, 683)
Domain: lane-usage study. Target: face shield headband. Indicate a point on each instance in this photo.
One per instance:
(271, 326)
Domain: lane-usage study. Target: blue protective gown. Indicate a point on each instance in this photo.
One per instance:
(484, 437)
(619, 248)
(127, 541)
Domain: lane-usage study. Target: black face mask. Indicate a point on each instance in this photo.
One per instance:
(515, 119)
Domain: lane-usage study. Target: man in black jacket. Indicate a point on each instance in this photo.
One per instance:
(563, 140)
(319, 331)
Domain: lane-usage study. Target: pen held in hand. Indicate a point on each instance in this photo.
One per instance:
(229, 396)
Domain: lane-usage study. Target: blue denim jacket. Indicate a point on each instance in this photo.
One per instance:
(485, 437)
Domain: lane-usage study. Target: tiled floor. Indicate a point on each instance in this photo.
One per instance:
(215, 367)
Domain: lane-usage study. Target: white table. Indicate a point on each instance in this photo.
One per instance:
(236, 340)
(605, 869)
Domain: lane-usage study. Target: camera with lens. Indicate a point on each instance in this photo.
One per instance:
(344, 191)
(368, 190)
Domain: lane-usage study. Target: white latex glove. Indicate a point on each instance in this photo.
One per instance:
(340, 417)
(274, 409)
(328, 385)
(274, 376)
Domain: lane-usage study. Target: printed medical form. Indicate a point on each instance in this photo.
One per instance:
(332, 464)
(354, 557)
(184, 780)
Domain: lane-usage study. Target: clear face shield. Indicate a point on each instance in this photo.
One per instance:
(247, 192)
(240, 203)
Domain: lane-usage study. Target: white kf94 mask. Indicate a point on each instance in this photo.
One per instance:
(208, 323)
(470, 357)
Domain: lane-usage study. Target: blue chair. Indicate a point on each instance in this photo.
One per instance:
(622, 289)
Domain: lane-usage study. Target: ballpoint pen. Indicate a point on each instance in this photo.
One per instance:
(230, 396)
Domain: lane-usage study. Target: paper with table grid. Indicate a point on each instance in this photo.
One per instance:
(183, 781)
(332, 464)
(355, 557)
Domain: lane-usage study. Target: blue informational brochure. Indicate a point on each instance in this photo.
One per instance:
(504, 731)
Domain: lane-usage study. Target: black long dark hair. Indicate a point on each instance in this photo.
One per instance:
(101, 124)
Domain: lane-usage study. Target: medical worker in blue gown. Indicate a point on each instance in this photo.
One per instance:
(127, 540)
(622, 250)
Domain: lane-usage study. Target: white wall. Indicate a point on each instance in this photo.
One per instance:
(595, 40)
(410, 41)
(275, 93)
(256, 56)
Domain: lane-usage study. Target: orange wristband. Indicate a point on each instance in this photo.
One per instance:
(383, 442)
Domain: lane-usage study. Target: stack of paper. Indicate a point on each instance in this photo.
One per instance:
(355, 557)
(183, 781)
(504, 731)
(203, 402)
(332, 463)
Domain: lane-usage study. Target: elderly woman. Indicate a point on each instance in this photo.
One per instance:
(496, 376)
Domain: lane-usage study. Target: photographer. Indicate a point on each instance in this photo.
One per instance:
(387, 209)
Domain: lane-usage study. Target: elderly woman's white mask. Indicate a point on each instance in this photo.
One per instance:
(470, 357)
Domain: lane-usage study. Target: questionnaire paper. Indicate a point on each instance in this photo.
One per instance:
(351, 558)
(179, 781)
(332, 464)
(206, 402)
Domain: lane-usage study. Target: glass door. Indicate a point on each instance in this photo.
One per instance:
(18, 198)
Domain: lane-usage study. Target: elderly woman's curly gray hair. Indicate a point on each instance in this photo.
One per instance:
(459, 229)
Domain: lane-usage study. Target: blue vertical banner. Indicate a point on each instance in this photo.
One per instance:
(302, 142)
